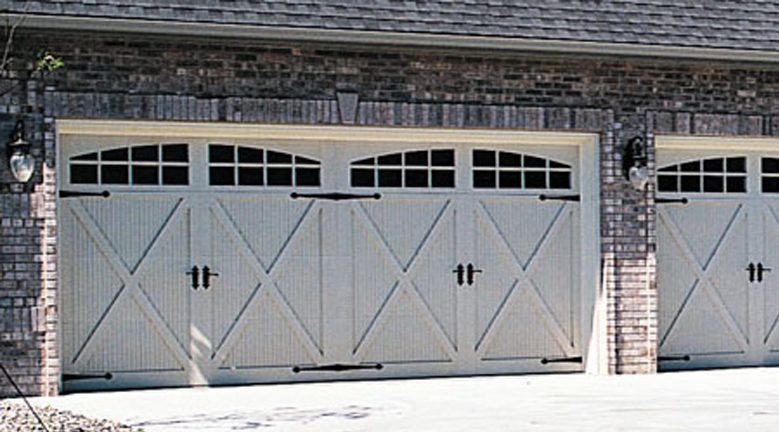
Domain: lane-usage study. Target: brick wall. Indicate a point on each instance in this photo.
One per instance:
(28, 319)
(164, 78)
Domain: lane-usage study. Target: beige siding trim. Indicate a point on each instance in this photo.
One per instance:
(722, 143)
(348, 134)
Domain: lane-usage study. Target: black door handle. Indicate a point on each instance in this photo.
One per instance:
(460, 270)
(471, 272)
(207, 277)
(751, 269)
(760, 270)
(195, 273)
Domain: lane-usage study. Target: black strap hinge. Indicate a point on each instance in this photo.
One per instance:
(543, 197)
(547, 360)
(337, 367)
(683, 358)
(671, 200)
(79, 377)
(334, 196)
(76, 194)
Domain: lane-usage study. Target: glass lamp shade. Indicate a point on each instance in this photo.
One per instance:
(638, 176)
(22, 165)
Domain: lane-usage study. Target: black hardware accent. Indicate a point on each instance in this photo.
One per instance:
(543, 197)
(671, 200)
(471, 271)
(684, 358)
(79, 377)
(546, 360)
(335, 196)
(338, 367)
(207, 277)
(751, 269)
(194, 273)
(74, 194)
(760, 270)
(460, 270)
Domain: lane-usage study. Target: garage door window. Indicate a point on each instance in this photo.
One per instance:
(769, 170)
(508, 170)
(251, 166)
(712, 175)
(166, 164)
(430, 169)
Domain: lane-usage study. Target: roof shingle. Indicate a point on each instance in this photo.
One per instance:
(734, 24)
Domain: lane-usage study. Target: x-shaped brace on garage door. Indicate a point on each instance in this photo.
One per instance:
(270, 287)
(403, 284)
(130, 289)
(520, 273)
(702, 274)
(775, 226)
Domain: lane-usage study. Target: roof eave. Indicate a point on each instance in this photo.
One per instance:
(392, 38)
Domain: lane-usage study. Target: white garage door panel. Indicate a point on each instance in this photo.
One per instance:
(527, 294)
(330, 276)
(266, 307)
(705, 305)
(769, 329)
(405, 301)
(126, 315)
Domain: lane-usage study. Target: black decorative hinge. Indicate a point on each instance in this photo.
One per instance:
(671, 200)
(337, 367)
(543, 197)
(335, 196)
(683, 358)
(547, 360)
(75, 194)
(79, 377)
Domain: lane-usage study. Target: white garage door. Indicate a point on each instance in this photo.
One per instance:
(235, 261)
(719, 297)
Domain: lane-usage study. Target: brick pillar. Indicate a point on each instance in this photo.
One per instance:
(28, 320)
(628, 239)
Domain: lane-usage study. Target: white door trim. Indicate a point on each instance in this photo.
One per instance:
(593, 300)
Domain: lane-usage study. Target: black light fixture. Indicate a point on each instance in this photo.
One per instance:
(634, 161)
(19, 158)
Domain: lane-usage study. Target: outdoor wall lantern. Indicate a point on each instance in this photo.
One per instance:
(19, 158)
(634, 162)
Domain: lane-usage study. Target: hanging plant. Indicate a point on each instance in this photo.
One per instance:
(45, 60)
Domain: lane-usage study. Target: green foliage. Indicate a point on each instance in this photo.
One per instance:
(48, 62)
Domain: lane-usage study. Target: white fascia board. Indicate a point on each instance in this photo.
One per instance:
(391, 38)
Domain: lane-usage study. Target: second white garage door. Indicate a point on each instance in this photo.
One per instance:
(717, 256)
(234, 261)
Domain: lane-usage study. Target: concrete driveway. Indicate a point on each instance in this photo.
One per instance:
(726, 400)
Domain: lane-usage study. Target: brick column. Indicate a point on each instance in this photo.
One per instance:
(628, 239)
